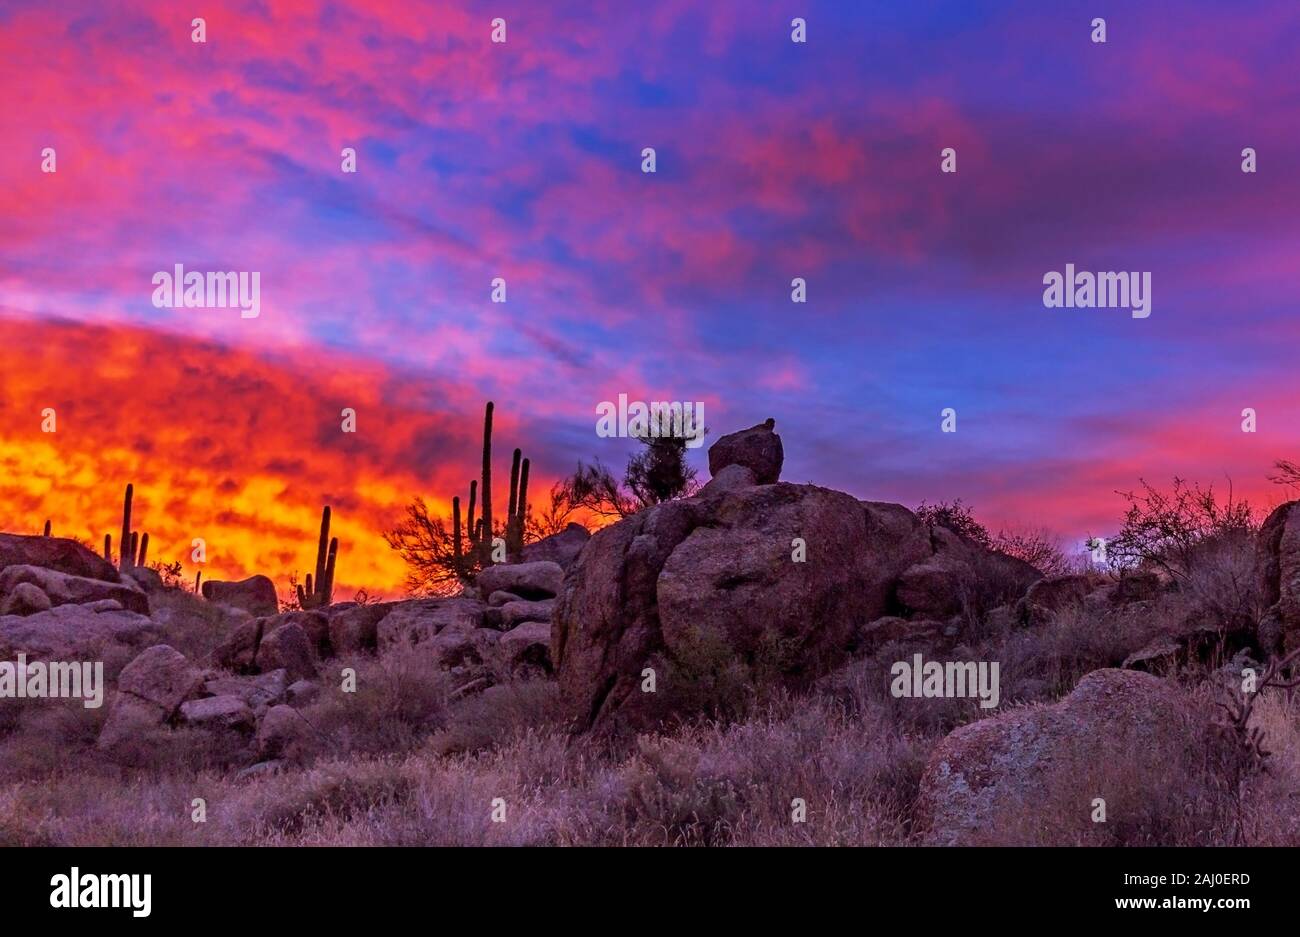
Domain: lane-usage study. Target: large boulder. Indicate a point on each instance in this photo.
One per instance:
(65, 589)
(1277, 574)
(74, 632)
(316, 625)
(57, 553)
(255, 595)
(25, 599)
(288, 647)
(534, 581)
(561, 549)
(150, 691)
(1031, 775)
(163, 676)
(757, 449)
(725, 565)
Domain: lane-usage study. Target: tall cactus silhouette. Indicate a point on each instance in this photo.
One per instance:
(319, 590)
(132, 548)
(471, 537)
(486, 545)
(124, 544)
(47, 527)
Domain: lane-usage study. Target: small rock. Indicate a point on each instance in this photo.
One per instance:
(303, 691)
(218, 712)
(528, 645)
(281, 729)
(258, 691)
(260, 770)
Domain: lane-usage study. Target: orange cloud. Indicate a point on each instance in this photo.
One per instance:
(223, 444)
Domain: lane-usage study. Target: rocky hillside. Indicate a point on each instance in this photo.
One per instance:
(782, 589)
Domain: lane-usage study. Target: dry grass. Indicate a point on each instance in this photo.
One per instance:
(403, 762)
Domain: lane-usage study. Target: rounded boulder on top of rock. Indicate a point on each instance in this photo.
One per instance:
(757, 449)
(255, 595)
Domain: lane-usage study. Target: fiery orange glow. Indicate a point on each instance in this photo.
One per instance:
(239, 450)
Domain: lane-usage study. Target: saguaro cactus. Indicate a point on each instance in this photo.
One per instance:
(319, 590)
(486, 544)
(124, 544)
(133, 547)
(47, 527)
(471, 537)
(517, 511)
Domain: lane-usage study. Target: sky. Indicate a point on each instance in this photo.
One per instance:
(523, 160)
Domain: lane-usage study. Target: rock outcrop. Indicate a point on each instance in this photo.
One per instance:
(1014, 767)
(56, 553)
(65, 589)
(1277, 573)
(74, 632)
(797, 568)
